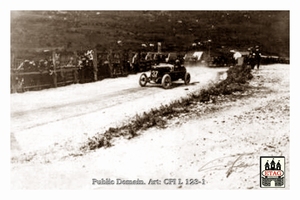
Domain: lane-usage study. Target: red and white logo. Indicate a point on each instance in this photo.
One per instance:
(272, 171)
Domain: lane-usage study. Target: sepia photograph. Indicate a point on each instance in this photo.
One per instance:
(150, 99)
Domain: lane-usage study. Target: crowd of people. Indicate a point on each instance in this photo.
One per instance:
(91, 66)
(254, 57)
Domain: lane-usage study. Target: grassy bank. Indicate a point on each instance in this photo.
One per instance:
(177, 30)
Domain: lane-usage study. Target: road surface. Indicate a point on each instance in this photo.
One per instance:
(75, 112)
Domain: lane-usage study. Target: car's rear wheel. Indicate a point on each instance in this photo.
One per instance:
(187, 78)
(143, 80)
(166, 81)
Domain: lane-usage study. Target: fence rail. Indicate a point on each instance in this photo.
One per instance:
(22, 81)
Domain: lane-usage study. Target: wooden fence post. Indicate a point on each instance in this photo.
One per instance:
(75, 73)
(12, 75)
(95, 68)
(54, 69)
(110, 60)
(13, 83)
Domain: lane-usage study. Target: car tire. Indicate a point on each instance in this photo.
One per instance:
(187, 78)
(166, 81)
(143, 80)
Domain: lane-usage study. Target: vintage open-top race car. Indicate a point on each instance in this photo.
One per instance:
(164, 74)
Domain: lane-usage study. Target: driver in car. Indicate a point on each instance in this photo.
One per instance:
(177, 64)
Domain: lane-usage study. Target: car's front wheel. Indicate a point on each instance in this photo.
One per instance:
(187, 78)
(166, 81)
(143, 80)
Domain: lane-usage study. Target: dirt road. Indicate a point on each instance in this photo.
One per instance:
(43, 118)
(220, 149)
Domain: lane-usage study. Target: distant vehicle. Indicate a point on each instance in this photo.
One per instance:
(164, 74)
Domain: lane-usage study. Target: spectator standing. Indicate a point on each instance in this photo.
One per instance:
(257, 56)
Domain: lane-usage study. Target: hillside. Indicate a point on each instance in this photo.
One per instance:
(33, 31)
